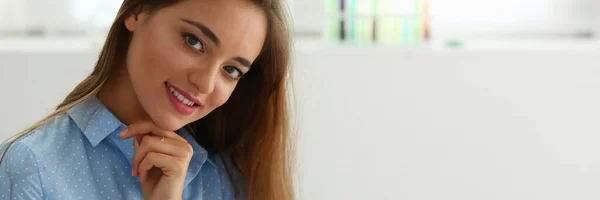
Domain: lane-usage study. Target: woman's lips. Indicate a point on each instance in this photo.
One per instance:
(179, 100)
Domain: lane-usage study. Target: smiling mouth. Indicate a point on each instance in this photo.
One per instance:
(180, 97)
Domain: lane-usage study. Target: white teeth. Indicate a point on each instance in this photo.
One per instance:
(181, 98)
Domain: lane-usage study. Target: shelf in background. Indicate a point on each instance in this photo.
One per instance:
(50, 44)
(321, 45)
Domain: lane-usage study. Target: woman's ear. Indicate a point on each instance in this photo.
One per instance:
(135, 18)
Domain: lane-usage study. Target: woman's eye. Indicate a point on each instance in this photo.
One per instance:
(234, 72)
(193, 42)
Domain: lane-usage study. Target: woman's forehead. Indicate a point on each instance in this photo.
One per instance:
(238, 25)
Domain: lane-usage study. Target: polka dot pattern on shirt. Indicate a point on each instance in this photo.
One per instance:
(79, 155)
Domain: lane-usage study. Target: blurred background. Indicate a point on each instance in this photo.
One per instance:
(397, 99)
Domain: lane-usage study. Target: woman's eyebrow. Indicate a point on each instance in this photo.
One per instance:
(204, 30)
(245, 62)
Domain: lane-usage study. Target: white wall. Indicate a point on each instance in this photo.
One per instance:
(34, 83)
(405, 124)
(461, 125)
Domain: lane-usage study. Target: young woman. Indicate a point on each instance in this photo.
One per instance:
(187, 101)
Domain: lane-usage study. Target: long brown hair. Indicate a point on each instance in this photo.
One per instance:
(253, 126)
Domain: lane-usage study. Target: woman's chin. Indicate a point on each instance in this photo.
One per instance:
(170, 123)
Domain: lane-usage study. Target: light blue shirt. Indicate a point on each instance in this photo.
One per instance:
(79, 155)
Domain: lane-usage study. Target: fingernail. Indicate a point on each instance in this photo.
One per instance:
(123, 133)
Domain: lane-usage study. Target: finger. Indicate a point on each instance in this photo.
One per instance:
(144, 128)
(136, 145)
(169, 147)
(167, 164)
(141, 127)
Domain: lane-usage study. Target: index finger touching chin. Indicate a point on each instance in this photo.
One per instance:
(145, 128)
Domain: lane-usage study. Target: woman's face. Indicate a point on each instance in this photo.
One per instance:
(185, 60)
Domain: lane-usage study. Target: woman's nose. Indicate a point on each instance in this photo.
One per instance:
(204, 78)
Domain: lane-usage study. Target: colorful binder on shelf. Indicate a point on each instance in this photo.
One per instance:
(397, 22)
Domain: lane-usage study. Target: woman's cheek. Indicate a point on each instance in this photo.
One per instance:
(221, 94)
(166, 62)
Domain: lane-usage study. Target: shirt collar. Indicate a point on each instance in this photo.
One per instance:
(94, 120)
(98, 123)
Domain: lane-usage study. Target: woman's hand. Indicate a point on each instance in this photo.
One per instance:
(160, 163)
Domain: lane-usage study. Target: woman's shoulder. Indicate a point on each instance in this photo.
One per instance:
(49, 131)
(17, 159)
(23, 160)
(41, 139)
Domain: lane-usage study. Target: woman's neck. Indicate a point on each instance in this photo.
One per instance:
(118, 96)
